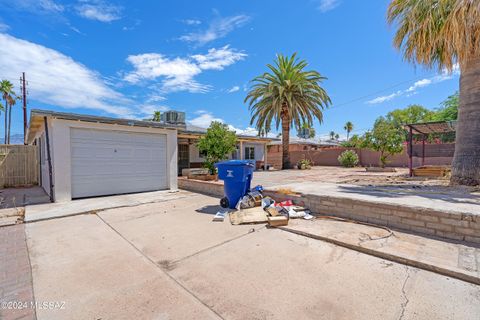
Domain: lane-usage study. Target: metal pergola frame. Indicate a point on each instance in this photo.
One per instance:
(424, 129)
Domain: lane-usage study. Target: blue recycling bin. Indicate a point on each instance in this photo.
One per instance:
(237, 176)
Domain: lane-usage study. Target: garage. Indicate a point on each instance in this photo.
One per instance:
(82, 156)
(114, 162)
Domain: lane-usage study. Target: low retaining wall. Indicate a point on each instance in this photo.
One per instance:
(453, 226)
(211, 188)
(420, 220)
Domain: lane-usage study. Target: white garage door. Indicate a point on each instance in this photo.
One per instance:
(114, 162)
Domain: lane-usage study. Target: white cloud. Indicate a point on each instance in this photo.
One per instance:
(38, 6)
(99, 10)
(57, 79)
(218, 59)
(204, 119)
(4, 27)
(217, 29)
(327, 5)
(192, 22)
(178, 74)
(149, 109)
(382, 99)
(412, 90)
(233, 89)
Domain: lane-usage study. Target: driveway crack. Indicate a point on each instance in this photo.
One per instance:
(404, 294)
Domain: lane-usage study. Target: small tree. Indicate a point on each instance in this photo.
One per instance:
(355, 141)
(217, 144)
(385, 138)
(348, 158)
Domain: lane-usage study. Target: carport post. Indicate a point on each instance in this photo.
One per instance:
(410, 148)
(423, 149)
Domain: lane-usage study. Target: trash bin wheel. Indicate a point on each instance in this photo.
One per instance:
(224, 202)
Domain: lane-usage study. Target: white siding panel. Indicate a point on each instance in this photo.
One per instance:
(114, 162)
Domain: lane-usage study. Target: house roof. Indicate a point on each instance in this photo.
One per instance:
(195, 131)
(313, 141)
(37, 115)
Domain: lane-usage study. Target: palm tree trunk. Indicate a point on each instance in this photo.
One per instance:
(6, 118)
(9, 122)
(466, 160)
(286, 143)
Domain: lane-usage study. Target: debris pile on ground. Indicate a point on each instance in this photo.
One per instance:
(254, 207)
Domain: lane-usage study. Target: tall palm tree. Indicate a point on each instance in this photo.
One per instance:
(11, 101)
(443, 33)
(289, 95)
(348, 127)
(6, 90)
(332, 135)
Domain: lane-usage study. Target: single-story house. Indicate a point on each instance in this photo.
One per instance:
(86, 156)
(248, 148)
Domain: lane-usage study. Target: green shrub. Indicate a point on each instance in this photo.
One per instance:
(348, 159)
(304, 164)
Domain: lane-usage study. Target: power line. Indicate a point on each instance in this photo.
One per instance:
(377, 92)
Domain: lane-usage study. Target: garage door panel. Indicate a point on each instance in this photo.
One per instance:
(113, 162)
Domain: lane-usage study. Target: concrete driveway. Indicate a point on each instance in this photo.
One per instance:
(168, 260)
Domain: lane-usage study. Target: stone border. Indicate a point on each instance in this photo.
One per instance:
(419, 220)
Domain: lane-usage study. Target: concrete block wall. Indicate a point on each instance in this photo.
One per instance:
(449, 225)
(210, 188)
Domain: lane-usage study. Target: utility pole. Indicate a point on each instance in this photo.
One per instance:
(24, 98)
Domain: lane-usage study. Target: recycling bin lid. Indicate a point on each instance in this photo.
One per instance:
(235, 163)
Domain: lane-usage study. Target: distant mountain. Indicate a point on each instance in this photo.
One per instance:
(14, 139)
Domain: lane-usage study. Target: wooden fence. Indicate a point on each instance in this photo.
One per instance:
(18, 165)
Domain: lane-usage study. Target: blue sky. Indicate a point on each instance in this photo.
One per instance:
(128, 58)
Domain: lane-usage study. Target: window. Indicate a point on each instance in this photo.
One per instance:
(249, 153)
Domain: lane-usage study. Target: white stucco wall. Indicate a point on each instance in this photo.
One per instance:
(59, 131)
(259, 152)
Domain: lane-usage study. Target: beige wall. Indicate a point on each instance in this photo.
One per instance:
(329, 156)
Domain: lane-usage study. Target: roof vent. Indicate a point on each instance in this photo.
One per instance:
(173, 117)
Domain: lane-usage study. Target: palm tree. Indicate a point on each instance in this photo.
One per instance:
(348, 127)
(157, 116)
(444, 33)
(6, 89)
(289, 95)
(332, 135)
(337, 136)
(11, 102)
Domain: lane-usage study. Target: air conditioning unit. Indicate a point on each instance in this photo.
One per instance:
(173, 117)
